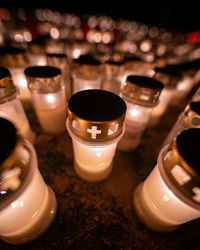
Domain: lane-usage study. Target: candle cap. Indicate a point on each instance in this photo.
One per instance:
(7, 88)
(57, 59)
(192, 115)
(113, 67)
(13, 57)
(181, 164)
(141, 90)
(87, 66)
(96, 115)
(14, 158)
(169, 76)
(43, 79)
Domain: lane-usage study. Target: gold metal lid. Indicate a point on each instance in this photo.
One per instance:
(86, 66)
(113, 67)
(167, 75)
(96, 115)
(7, 88)
(14, 159)
(181, 164)
(192, 115)
(13, 57)
(43, 79)
(141, 90)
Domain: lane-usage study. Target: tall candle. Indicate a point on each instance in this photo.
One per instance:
(169, 196)
(11, 107)
(48, 97)
(95, 123)
(22, 219)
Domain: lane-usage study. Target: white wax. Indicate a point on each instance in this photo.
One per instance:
(32, 211)
(79, 84)
(158, 206)
(136, 121)
(52, 120)
(93, 161)
(14, 111)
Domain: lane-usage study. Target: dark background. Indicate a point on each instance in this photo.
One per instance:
(183, 15)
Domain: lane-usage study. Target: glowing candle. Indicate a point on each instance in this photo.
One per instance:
(11, 107)
(36, 52)
(113, 76)
(27, 204)
(16, 61)
(141, 94)
(169, 78)
(170, 196)
(61, 61)
(189, 118)
(95, 123)
(48, 97)
(86, 73)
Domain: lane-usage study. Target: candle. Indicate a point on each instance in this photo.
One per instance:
(48, 97)
(169, 78)
(36, 52)
(141, 94)
(113, 76)
(189, 118)
(170, 195)
(16, 61)
(95, 123)
(60, 61)
(86, 73)
(27, 204)
(11, 107)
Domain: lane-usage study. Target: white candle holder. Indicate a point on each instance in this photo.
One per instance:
(16, 61)
(60, 61)
(95, 123)
(27, 204)
(170, 196)
(48, 97)
(36, 52)
(169, 78)
(11, 107)
(141, 94)
(113, 76)
(189, 118)
(86, 73)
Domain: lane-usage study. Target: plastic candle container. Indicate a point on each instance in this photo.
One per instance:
(169, 78)
(16, 61)
(11, 107)
(36, 52)
(48, 97)
(189, 118)
(95, 123)
(141, 94)
(27, 204)
(86, 73)
(61, 61)
(170, 195)
(113, 76)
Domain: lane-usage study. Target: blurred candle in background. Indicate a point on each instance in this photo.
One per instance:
(16, 61)
(141, 94)
(60, 61)
(170, 195)
(95, 123)
(86, 73)
(48, 97)
(27, 204)
(11, 107)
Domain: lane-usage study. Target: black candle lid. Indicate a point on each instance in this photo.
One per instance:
(195, 106)
(4, 72)
(87, 60)
(103, 110)
(42, 71)
(8, 139)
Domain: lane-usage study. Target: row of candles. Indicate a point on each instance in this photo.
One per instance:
(104, 106)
